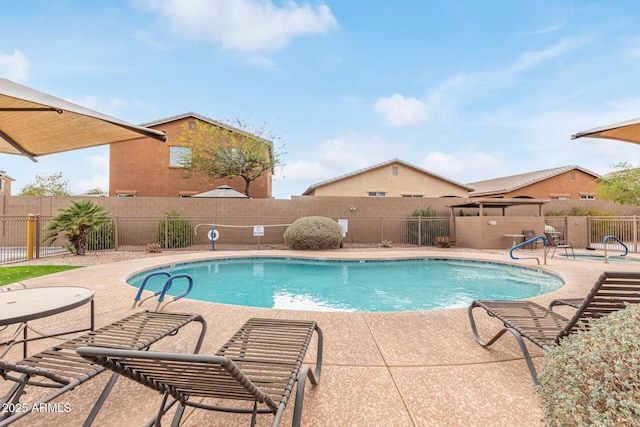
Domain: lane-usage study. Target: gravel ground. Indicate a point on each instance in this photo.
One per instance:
(91, 258)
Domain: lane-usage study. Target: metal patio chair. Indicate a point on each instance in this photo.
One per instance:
(546, 328)
(61, 368)
(555, 241)
(260, 364)
(528, 235)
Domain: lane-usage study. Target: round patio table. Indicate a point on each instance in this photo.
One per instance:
(515, 238)
(24, 305)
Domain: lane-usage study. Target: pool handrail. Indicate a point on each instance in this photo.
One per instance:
(168, 284)
(526, 242)
(137, 302)
(604, 242)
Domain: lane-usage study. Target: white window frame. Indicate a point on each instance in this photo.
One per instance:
(175, 153)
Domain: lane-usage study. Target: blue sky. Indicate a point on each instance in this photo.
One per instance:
(468, 90)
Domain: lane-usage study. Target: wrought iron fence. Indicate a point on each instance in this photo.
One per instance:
(556, 225)
(14, 238)
(623, 228)
(193, 233)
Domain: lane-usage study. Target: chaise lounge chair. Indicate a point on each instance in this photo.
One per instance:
(61, 368)
(545, 328)
(260, 363)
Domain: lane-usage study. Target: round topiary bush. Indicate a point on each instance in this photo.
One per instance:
(593, 378)
(313, 233)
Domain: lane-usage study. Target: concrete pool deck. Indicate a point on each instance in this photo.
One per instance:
(420, 368)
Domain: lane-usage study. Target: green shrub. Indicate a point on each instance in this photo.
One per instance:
(313, 233)
(178, 232)
(102, 237)
(593, 378)
(423, 230)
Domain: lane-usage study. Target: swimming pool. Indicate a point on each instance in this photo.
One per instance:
(371, 285)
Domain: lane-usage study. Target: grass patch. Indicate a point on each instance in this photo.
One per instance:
(16, 274)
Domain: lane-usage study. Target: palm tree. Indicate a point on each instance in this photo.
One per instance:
(75, 222)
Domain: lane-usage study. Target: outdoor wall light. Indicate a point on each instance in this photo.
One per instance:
(352, 208)
(492, 222)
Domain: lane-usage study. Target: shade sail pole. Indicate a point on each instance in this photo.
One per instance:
(17, 146)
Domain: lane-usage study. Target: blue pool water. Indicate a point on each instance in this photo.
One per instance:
(374, 286)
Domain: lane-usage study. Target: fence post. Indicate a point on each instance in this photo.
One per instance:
(37, 235)
(452, 227)
(419, 231)
(30, 233)
(115, 233)
(635, 233)
(166, 231)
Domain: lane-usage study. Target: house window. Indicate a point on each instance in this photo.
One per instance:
(377, 193)
(412, 195)
(394, 170)
(177, 155)
(126, 195)
(560, 197)
(587, 197)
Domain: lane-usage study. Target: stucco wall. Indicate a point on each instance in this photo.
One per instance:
(488, 232)
(408, 181)
(570, 185)
(142, 166)
(294, 207)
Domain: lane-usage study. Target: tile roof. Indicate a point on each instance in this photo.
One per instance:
(379, 165)
(204, 119)
(3, 174)
(507, 184)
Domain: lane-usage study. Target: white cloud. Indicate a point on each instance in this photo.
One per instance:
(464, 88)
(335, 157)
(244, 24)
(533, 58)
(304, 170)
(113, 106)
(545, 30)
(100, 179)
(15, 66)
(398, 110)
(467, 163)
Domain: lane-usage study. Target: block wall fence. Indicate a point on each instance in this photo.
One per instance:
(471, 231)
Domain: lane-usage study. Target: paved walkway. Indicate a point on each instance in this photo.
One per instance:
(384, 369)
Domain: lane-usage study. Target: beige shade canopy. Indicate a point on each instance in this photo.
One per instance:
(33, 123)
(224, 192)
(628, 131)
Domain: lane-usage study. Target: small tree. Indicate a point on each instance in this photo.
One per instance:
(218, 151)
(75, 222)
(47, 185)
(621, 186)
(97, 192)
